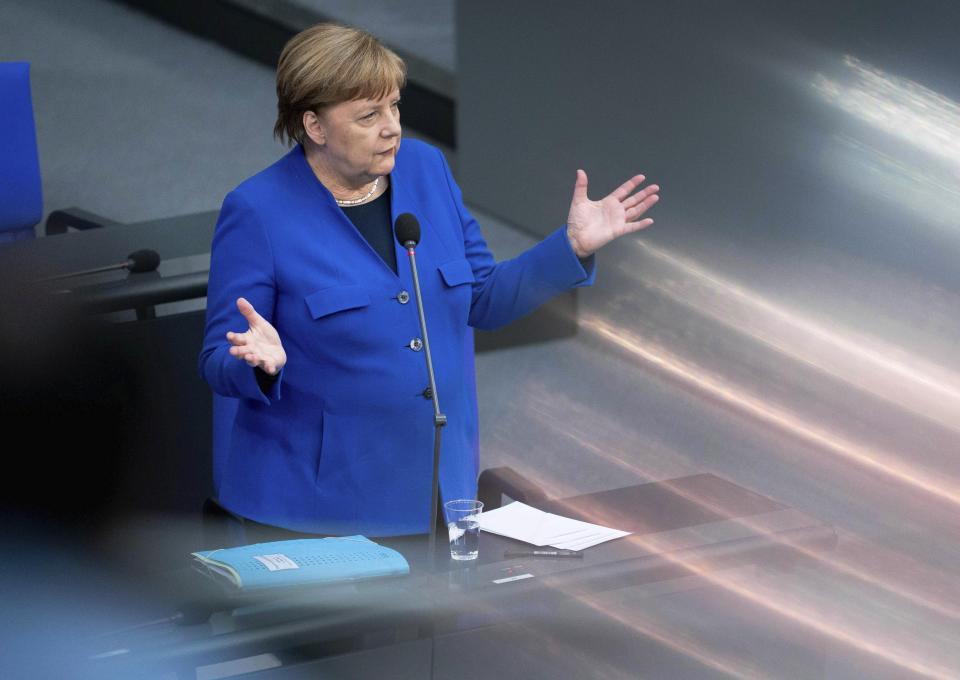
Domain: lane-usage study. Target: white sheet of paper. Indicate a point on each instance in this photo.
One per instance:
(589, 542)
(524, 523)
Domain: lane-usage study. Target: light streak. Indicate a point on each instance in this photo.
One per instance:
(780, 418)
(673, 640)
(830, 559)
(924, 188)
(929, 391)
(547, 408)
(790, 609)
(899, 106)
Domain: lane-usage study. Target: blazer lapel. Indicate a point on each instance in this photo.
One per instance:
(410, 196)
(402, 201)
(333, 215)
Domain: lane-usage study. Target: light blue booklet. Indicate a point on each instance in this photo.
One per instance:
(308, 561)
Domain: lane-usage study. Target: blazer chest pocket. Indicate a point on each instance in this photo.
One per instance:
(456, 272)
(335, 299)
(457, 277)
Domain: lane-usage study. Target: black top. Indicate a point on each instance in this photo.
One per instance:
(372, 220)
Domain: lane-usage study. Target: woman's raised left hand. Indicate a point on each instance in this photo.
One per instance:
(593, 224)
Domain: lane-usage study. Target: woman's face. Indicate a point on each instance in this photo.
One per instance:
(361, 137)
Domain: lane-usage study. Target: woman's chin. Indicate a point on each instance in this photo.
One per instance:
(385, 166)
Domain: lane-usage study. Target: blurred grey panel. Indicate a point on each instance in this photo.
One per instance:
(724, 106)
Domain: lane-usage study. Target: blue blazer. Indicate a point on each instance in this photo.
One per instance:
(343, 441)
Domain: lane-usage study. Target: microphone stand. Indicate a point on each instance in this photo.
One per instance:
(439, 419)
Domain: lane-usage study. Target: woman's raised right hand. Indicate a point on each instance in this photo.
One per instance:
(260, 345)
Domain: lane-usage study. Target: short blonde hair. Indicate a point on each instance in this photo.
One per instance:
(327, 64)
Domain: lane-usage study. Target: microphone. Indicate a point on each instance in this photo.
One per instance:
(140, 261)
(137, 262)
(407, 230)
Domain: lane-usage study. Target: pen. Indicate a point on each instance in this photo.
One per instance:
(544, 553)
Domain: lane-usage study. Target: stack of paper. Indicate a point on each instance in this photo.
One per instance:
(524, 523)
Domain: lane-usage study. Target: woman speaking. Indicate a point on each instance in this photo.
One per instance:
(310, 318)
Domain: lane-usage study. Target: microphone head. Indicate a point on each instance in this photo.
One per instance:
(407, 229)
(143, 261)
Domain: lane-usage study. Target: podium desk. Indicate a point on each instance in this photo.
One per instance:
(180, 281)
(682, 527)
(172, 237)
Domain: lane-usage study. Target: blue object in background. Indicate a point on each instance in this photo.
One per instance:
(21, 196)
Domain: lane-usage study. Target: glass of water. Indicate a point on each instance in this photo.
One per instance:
(463, 524)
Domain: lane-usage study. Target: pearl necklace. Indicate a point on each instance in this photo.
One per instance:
(357, 201)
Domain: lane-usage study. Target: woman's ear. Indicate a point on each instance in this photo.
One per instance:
(313, 126)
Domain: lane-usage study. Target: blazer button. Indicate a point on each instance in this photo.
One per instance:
(403, 297)
(416, 344)
(427, 393)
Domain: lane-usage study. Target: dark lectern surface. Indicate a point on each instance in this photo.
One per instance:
(700, 520)
(662, 506)
(171, 237)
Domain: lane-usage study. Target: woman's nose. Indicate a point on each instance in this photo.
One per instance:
(392, 128)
